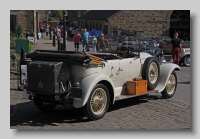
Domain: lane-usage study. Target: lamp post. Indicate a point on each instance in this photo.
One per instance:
(64, 29)
(50, 25)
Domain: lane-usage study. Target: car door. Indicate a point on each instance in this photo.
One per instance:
(130, 68)
(115, 70)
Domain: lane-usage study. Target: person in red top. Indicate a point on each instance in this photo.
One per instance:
(176, 48)
(76, 40)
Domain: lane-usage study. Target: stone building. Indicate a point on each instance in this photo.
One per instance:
(145, 23)
(28, 19)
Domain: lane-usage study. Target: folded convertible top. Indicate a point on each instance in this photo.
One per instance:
(66, 56)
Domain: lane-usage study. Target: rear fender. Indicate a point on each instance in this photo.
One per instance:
(165, 71)
(87, 84)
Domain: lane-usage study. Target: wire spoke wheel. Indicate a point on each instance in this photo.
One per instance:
(171, 84)
(98, 101)
(153, 73)
(170, 87)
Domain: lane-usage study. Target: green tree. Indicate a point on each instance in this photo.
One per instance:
(57, 14)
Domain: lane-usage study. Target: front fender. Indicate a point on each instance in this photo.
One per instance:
(87, 84)
(165, 71)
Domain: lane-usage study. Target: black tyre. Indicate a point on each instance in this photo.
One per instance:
(98, 103)
(151, 72)
(170, 88)
(186, 61)
(44, 106)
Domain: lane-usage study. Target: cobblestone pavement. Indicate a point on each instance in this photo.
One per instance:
(150, 112)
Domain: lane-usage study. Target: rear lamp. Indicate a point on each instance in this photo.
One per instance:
(76, 84)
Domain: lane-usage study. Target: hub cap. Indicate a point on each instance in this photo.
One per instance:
(98, 101)
(153, 72)
(187, 60)
(171, 84)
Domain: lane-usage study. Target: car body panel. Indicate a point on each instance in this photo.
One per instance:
(185, 52)
(87, 84)
(165, 71)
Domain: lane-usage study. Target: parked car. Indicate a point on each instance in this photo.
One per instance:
(185, 56)
(148, 41)
(161, 38)
(152, 50)
(94, 81)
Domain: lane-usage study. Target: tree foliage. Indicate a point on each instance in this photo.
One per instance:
(55, 14)
(58, 14)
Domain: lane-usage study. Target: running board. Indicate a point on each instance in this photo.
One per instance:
(120, 97)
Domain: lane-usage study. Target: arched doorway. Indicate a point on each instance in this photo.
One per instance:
(180, 22)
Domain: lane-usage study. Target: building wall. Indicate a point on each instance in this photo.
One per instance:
(152, 22)
(25, 18)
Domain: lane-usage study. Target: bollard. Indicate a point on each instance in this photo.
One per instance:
(59, 45)
(54, 43)
(50, 35)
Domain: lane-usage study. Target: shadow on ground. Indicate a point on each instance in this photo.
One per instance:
(28, 114)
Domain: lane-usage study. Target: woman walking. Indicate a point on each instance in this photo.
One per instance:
(76, 40)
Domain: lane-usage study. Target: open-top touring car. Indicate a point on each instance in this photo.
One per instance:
(93, 81)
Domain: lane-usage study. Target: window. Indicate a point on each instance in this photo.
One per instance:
(13, 23)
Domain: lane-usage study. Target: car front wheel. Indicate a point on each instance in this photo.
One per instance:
(170, 88)
(186, 61)
(98, 102)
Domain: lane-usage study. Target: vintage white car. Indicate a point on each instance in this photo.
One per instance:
(93, 81)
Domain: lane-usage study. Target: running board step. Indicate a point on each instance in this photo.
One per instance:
(120, 97)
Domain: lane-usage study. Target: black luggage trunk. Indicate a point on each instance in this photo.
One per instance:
(46, 77)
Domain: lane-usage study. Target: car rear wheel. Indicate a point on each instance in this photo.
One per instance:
(151, 72)
(98, 103)
(44, 106)
(171, 85)
(186, 61)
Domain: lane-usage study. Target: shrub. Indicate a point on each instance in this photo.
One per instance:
(19, 31)
(31, 46)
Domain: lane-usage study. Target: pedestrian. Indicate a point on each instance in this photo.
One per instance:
(47, 31)
(27, 34)
(41, 31)
(73, 33)
(58, 31)
(76, 40)
(176, 48)
(81, 32)
(94, 43)
(59, 42)
(101, 43)
(32, 34)
(55, 31)
(85, 38)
